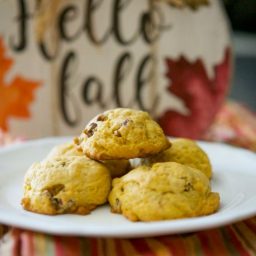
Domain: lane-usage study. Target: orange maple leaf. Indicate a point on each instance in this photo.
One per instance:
(16, 96)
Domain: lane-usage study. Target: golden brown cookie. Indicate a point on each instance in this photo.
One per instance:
(66, 185)
(164, 191)
(122, 134)
(183, 151)
(116, 168)
(65, 149)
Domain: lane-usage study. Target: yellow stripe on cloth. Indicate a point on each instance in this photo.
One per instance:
(157, 247)
(248, 236)
(192, 245)
(110, 249)
(39, 244)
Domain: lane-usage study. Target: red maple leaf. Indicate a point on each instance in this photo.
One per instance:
(16, 96)
(202, 96)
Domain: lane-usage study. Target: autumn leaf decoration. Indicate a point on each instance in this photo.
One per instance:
(201, 95)
(15, 96)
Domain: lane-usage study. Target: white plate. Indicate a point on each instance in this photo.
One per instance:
(234, 178)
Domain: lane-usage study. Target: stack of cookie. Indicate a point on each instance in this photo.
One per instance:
(152, 177)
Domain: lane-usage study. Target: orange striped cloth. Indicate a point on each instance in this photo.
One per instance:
(234, 124)
(236, 239)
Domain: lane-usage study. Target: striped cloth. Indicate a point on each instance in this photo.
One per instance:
(236, 239)
(234, 124)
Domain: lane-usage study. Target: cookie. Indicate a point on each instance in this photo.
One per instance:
(184, 151)
(116, 168)
(122, 133)
(164, 191)
(65, 149)
(66, 185)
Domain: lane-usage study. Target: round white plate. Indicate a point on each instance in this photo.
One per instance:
(234, 178)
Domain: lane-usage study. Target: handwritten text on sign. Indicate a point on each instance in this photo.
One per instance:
(151, 25)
